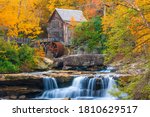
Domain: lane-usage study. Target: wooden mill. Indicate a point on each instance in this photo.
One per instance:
(60, 31)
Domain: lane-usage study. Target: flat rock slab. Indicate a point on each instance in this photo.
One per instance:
(19, 76)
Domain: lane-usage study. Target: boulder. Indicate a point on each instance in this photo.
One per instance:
(84, 60)
(41, 66)
(79, 62)
(58, 63)
(48, 61)
(13, 97)
(1, 77)
(44, 64)
(22, 97)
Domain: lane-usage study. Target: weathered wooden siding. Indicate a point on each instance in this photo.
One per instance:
(60, 23)
(67, 33)
(55, 27)
(59, 29)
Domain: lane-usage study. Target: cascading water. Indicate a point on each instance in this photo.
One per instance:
(49, 83)
(82, 87)
(111, 86)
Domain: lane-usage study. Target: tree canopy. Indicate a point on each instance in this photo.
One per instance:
(127, 26)
(89, 35)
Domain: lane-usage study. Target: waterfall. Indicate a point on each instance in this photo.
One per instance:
(82, 88)
(91, 87)
(77, 89)
(111, 86)
(97, 86)
(49, 83)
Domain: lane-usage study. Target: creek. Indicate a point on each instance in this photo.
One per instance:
(82, 87)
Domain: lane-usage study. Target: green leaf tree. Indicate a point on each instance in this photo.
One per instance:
(89, 35)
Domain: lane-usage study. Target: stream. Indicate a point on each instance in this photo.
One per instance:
(82, 87)
(64, 85)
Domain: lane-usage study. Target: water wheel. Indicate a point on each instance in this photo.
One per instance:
(56, 48)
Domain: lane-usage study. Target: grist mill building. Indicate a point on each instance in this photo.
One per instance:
(60, 22)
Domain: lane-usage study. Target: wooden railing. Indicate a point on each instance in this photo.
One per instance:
(20, 40)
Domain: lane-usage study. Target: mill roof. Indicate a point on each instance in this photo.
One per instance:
(68, 14)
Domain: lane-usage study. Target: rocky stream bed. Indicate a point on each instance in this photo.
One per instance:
(64, 70)
(30, 85)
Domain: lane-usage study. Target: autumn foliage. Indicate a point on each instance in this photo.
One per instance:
(127, 26)
(27, 18)
(20, 18)
(126, 22)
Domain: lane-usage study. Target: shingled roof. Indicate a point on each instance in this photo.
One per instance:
(68, 14)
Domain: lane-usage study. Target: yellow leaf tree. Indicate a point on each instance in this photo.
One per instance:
(127, 25)
(19, 18)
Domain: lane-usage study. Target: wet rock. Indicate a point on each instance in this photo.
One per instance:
(22, 97)
(112, 69)
(61, 77)
(98, 84)
(2, 93)
(13, 97)
(6, 97)
(67, 99)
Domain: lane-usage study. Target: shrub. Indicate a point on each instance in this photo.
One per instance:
(137, 87)
(26, 54)
(8, 67)
(14, 59)
(90, 35)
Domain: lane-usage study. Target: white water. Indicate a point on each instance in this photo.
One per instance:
(50, 83)
(98, 87)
